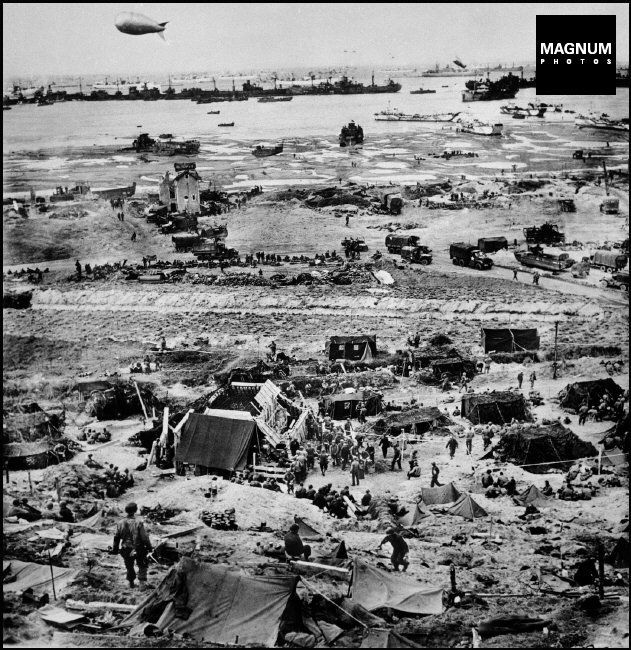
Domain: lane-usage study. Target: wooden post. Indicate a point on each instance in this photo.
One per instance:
(30, 484)
(452, 577)
(600, 459)
(601, 571)
(151, 455)
(165, 427)
(556, 335)
(52, 575)
(144, 410)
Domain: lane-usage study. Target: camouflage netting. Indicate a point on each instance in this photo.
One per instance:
(534, 446)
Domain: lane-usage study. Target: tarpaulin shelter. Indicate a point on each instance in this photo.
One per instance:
(218, 604)
(362, 347)
(614, 458)
(492, 244)
(346, 405)
(305, 530)
(218, 442)
(443, 494)
(498, 407)
(466, 507)
(509, 339)
(541, 448)
(531, 496)
(27, 455)
(452, 367)
(573, 395)
(382, 638)
(339, 557)
(373, 588)
(20, 576)
(415, 516)
(419, 420)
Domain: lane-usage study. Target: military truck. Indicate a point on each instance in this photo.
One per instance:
(185, 242)
(394, 243)
(548, 234)
(609, 261)
(392, 202)
(610, 205)
(417, 254)
(616, 281)
(213, 250)
(462, 254)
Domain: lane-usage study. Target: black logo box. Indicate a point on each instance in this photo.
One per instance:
(564, 63)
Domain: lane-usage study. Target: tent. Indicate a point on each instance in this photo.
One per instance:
(619, 556)
(531, 496)
(362, 347)
(573, 395)
(498, 407)
(373, 588)
(492, 244)
(614, 458)
(27, 455)
(382, 638)
(443, 494)
(509, 340)
(305, 530)
(19, 576)
(536, 447)
(218, 605)
(452, 367)
(420, 420)
(346, 405)
(338, 557)
(466, 507)
(219, 442)
(415, 516)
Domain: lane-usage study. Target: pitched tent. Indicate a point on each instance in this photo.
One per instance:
(339, 557)
(619, 556)
(572, 395)
(614, 458)
(415, 516)
(382, 638)
(362, 347)
(420, 420)
(466, 507)
(217, 604)
(535, 447)
(218, 442)
(444, 494)
(531, 496)
(498, 407)
(452, 367)
(27, 455)
(373, 588)
(346, 405)
(509, 340)
(305, 530)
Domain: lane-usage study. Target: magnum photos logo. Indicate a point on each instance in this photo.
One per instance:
(576, 55)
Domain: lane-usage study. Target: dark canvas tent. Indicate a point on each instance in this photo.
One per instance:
(27, 455)
(443, 494)
(509, 340)
(619, 556)
(339, 557)
(492, 244)
(373, 588)
(531, 496)
(381, 638)
(218, 605)
(572, 395)
(418, 420)
(305, 530)
(415, 516)
(498, 407)
(219, 443)
(466, 507)
(536, 447)
(346, 405)
(362, 347)
(452, 367)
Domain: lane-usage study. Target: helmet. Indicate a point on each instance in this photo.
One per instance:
(131, 508)
(390, 531)
(63, 503)
(294, 528)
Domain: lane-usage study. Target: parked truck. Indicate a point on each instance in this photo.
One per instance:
(394, 243)
(392, 202)
(463, 254)
(609, 261)
(616, 281)
(548, 234)
(417, 254)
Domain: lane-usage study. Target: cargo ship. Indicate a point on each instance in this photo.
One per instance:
(275, 99)
(394, 116)
(476, 127)
(351, 135)
(449, 71)
(422, 91)
(478, 91)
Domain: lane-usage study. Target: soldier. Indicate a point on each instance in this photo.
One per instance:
(132, 540)
(399, 549)
(65, 514)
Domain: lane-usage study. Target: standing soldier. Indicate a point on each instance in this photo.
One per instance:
(435, 473)
(533, 378)
(469, 440)
(133, 542)
(396, 459)
(355, 471)
(520, 378)
(324, 462)
(452, 445)
(78, 267)
(289, 481)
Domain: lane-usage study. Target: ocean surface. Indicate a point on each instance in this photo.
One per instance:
(42, 145)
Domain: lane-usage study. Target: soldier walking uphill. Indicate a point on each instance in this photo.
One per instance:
(399, 549)
(132, 541)
(452, 445)
(396, 459)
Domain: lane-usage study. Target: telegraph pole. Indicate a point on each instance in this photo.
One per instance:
(556, 336)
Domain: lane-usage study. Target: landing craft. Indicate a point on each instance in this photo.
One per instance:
(129, 22)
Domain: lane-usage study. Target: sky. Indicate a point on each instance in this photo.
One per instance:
(80, 38)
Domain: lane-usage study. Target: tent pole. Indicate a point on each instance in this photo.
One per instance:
(601, 571)
(556, 336)
(600, 459)
(52, 575)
